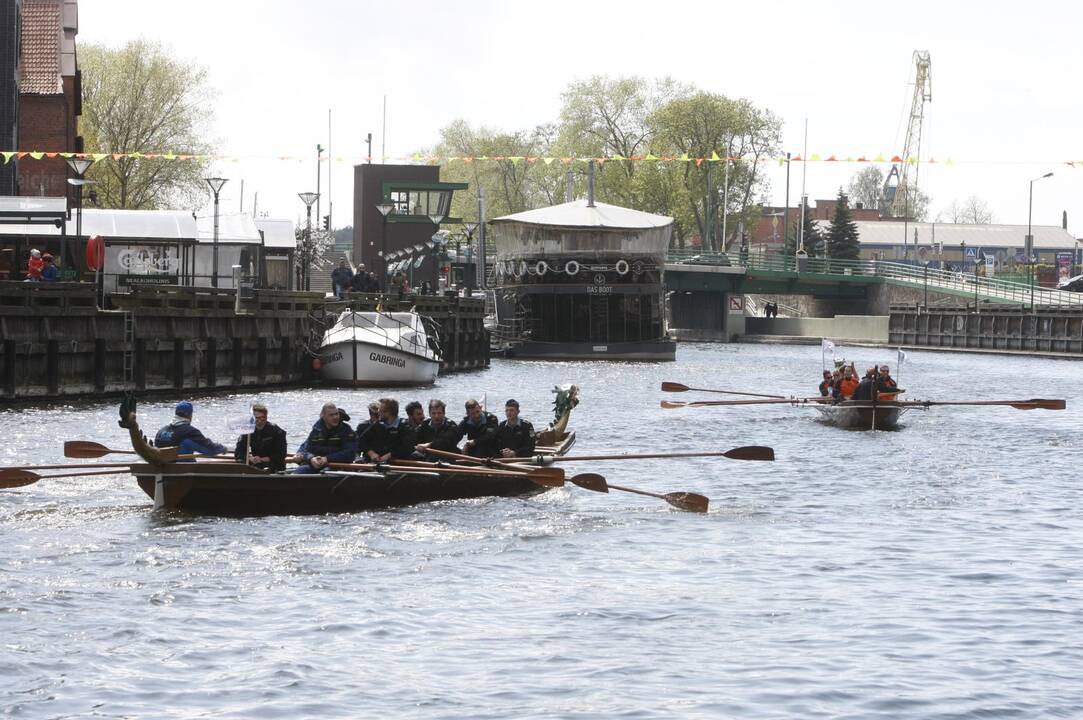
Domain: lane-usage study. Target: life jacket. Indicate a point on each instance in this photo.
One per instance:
(847, 387)
(886, 385)
(34, 267)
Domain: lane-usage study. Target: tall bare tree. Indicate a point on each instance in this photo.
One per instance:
(140, 99)
(867, 188)
(972, 211)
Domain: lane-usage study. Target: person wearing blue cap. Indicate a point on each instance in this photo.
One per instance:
(182, 435)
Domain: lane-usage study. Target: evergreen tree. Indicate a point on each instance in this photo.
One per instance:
(842, 238)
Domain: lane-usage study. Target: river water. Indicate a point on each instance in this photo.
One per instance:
(933, 572)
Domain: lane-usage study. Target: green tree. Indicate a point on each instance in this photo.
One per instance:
(867, 187)
(140, 99)
(701, 125)
(842, 238)
(813, 241)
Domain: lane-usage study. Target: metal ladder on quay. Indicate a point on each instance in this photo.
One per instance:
(129, 349)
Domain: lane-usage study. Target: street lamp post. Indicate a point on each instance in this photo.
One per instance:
(79, 166)
(385, 209)
(926, 286)
(308, 198)
(215, 183)
(1030, 238)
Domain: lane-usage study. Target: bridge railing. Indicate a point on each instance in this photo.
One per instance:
(989, 288)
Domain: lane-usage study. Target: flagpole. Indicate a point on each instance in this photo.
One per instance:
(898, 366)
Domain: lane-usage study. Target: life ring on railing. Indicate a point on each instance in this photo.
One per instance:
(571, 267)
(621, 267)
(541, 267)
(517, 269)
(522, 268)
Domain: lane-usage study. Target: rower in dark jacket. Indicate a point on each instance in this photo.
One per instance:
(437, 432)
(515, 436)
(331, 441)
(365, 432)
(264, 447)
(182, 435)
(479, 428)
(394, 438)
(825, 386)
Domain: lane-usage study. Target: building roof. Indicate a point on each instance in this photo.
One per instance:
(40, 48)
(1048, 237)
(167, 225)
(577, 214)
(277, 233)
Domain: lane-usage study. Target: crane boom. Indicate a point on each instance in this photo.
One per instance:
(897, 198)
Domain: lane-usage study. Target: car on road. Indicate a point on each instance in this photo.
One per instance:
(1074, 284)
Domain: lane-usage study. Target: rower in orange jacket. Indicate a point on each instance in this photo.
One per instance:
(848, 384)
(886, 383)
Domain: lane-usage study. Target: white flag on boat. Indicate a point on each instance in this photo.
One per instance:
(902, 356)
(242, 424)
(826, 346)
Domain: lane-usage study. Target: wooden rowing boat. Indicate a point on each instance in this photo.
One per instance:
(233, 489)
(863, 414)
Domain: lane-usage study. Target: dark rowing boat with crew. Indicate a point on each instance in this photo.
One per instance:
(233, 489)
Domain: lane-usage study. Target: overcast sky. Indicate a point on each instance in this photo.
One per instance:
(1006, 103)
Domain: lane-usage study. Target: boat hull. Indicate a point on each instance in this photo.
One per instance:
(232, 490)
(358, 364)
(862, 416)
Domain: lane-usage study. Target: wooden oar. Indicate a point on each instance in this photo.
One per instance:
(1034, 404)
(546, 479)
(747, 452)
(17, 478)
(678, 387)
(691, 502)
(70, 466)
(557, 473)
(671, 405)
(87, 449)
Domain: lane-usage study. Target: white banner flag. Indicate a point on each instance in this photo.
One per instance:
(242, 424)
(826, 346)
(902, 356)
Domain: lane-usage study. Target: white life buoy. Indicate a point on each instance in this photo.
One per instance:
(621, 267)
(522, 268)
(571, 267)
(541, 267)
(517, 269)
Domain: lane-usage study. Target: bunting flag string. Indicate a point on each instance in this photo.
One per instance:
(421, 159)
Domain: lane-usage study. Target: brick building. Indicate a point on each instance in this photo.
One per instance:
(9, 90)
(768, 230)
(50, 94)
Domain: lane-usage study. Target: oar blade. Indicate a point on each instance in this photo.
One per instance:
(17, 478)
(671, 405)
(750, 452)
(1040, 404)
(689, 502)
(674, 387)
(591, 481)
(84, 449)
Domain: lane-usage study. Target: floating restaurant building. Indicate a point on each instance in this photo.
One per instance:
(582, 280)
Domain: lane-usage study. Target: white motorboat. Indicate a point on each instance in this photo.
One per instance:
(377, 349)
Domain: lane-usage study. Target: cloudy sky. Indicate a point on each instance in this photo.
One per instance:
(1006, 104)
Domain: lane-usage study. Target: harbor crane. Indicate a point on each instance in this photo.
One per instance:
(897, 195)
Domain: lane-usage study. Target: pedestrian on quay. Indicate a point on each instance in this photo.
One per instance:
(34, 265)
(50, 272)
(340, 279)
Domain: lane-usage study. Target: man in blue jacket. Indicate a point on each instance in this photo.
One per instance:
(182, 435)
(340, 278)
(331, 441)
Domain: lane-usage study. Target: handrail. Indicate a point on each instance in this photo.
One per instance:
(913, 275)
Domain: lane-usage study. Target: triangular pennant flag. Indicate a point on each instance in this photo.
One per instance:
(66, 155)
(169, 156)
(896, 159)
(51, 155)
(548, 161)
(118, 156)
(135, 155)
(849, 158)
(797, 158)
(949, 162)
(684, 158)
(37, 155)
(814, 157)
(601, 161)
(650, 157)
(862, 159)
(699, 161)
(7, 156)
(617, 157)
(567, 160)
(879, 158)
(831, 158)
(99, 156)
(531, 160)
(912, 160)
(781, 161)
(714, 156)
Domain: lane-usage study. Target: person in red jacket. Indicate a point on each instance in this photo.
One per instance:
(849, 383)
(34, 265)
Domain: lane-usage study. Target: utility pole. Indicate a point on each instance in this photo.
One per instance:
(319, 156)
(708, 211)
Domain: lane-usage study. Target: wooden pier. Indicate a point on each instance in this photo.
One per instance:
(55, 343)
